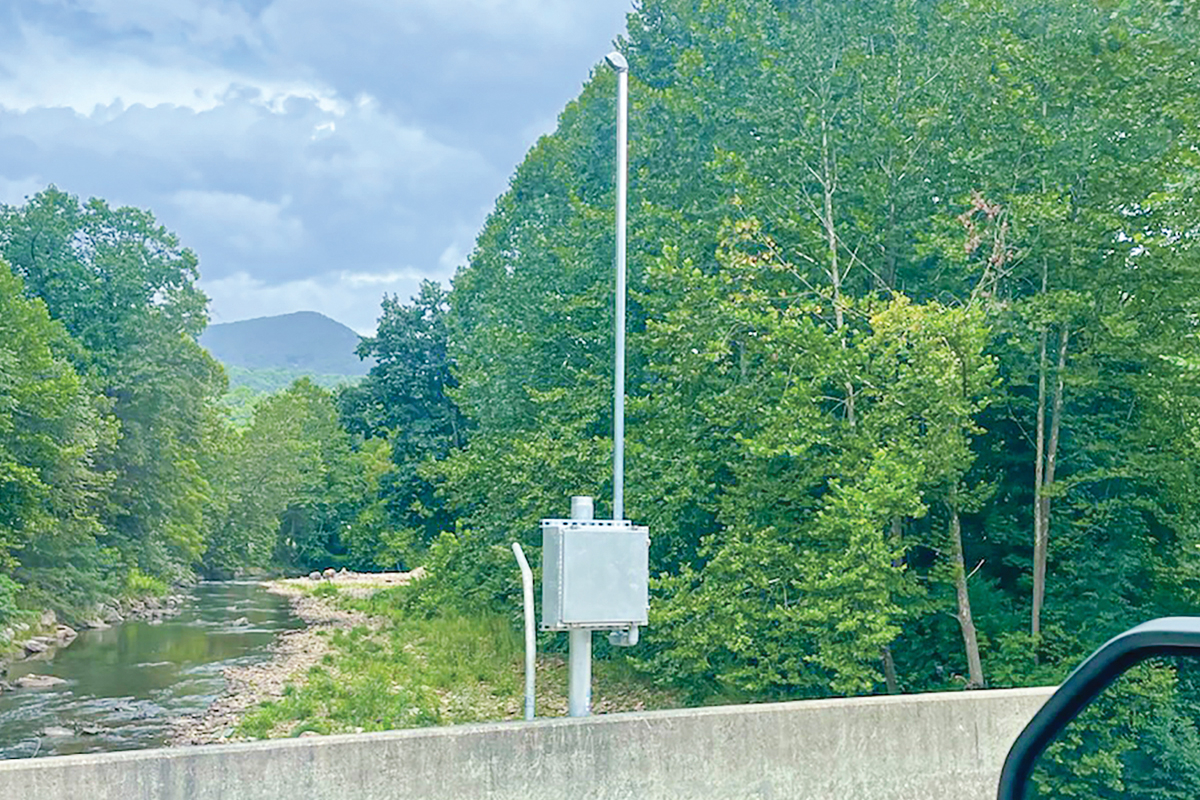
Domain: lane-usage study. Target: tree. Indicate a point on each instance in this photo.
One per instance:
(289, 467)
(407, 400)
(51, 431)
(124, 289)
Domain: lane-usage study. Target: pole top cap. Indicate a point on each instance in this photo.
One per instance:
(617, 61)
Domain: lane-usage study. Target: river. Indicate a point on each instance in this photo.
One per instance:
(125, 685)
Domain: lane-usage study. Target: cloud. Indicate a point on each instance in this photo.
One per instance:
(252, 226)
(302, 148)
(49, 70)
(15, 192)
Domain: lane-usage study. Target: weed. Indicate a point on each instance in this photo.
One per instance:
(411, 672)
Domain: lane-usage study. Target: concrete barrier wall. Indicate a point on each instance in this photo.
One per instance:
(914, 747)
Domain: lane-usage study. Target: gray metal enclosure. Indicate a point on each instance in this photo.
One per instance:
(595, 574)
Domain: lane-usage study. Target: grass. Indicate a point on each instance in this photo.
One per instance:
(413, 672)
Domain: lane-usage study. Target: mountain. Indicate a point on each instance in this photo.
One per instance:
(304, 343)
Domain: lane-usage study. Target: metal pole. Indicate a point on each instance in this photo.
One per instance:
(579, 669)
(579, 660)
(530, 634)
(618, 63)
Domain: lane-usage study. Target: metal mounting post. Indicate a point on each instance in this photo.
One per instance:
(579, 661)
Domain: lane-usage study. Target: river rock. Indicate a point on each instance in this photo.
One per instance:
(65, 635)
(37, 682)
(36, 645)
(330, 573)
(111, 615)
(96, 624)
(57, 731)
(314, 576)
(90, 730)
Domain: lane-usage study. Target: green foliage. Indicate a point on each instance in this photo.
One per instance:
(268, 380)
(138, 584)
(124, 289)
(325, 590)
(52, 432)
(413, 671)
(1138, 739)
(287, 472)
(10, 610)
(406, 398)
(852, 232)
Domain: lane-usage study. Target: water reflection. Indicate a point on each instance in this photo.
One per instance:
(125, 684)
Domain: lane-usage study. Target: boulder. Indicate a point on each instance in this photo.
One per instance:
(96, 624)
(65, 634)
(314, 576)
(37, 682)
(48, 619)
(330, 573)
(57, 731)
(36, 645)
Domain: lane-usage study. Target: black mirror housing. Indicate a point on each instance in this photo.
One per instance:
(1168, 636)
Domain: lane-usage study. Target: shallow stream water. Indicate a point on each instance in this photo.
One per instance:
(126, 685)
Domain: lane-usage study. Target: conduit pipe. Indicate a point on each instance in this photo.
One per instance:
(530, 634)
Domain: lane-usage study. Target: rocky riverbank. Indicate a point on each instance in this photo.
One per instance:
(292, 656)
(40, 638)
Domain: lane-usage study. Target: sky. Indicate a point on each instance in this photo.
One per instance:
(314, 154)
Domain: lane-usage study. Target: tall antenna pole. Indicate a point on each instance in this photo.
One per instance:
(621, 66)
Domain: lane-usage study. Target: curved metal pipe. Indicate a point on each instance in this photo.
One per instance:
(530, 634)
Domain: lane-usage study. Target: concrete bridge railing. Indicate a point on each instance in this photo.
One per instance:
(909, 747)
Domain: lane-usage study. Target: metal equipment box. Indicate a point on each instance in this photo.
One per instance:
(595, 574)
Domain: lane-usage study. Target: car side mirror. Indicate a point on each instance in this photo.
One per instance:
(1122, 725)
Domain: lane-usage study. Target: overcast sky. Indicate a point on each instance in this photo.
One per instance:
(314, 153)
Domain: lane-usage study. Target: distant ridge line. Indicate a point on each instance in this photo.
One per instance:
(303, 341)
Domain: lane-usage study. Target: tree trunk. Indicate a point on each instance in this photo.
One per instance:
(1039, 551)
(889, 671)
(829, 186)
(889, 663)
(1044, 474)
(975, 678)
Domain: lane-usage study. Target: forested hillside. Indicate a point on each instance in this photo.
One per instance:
(304, 340)
(913, 398)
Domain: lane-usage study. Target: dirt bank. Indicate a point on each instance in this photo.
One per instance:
(292, 656)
